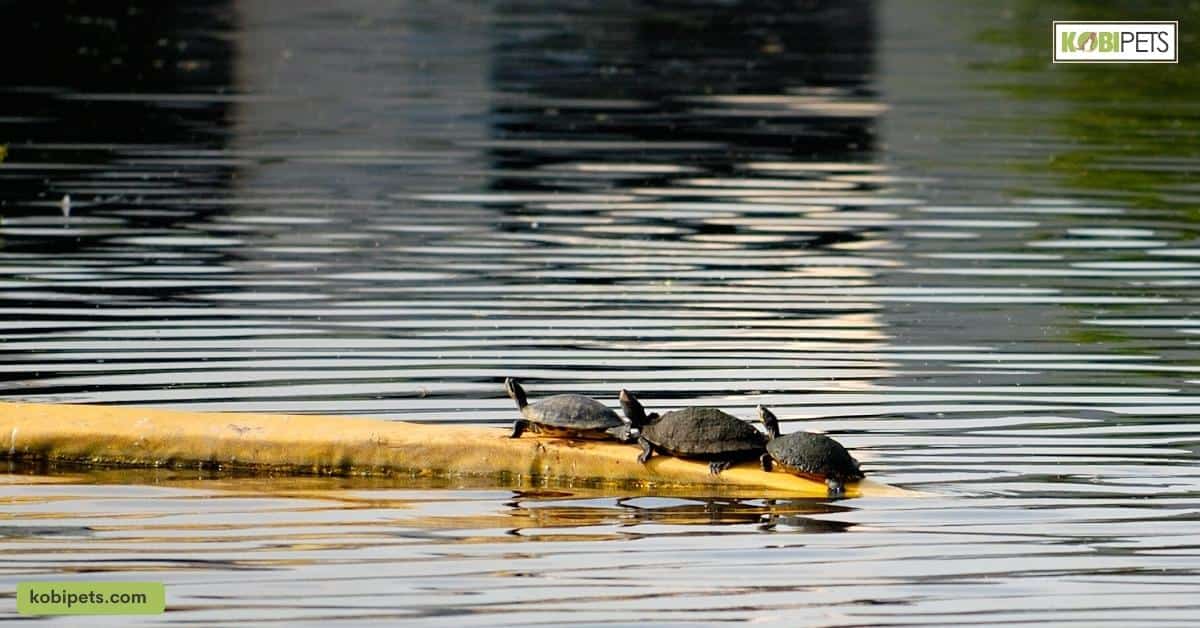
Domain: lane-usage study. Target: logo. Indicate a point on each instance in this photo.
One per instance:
(91, 598)
(1116, 42)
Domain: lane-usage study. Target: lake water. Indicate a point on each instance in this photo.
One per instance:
(893, 222)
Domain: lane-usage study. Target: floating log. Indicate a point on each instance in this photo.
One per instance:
(332, 445)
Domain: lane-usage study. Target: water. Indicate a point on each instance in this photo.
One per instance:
(896, 224)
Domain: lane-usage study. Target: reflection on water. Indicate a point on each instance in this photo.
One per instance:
(889, 221)
(281, 550)
(270, 551)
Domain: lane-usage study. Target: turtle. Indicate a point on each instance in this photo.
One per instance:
(567, 416)
(695, 432)
(808, 454)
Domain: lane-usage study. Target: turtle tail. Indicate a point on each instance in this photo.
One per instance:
(516, 392)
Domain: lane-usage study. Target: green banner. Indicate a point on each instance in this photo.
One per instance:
(91, 598)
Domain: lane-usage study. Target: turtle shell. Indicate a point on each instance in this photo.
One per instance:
(704, 432)
(572, 412)
(814, 454)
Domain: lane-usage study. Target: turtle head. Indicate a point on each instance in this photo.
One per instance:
(515, 391)
(633, 409)
(769, 421)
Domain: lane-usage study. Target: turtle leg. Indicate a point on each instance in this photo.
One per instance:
(519, 426)
(835, 486)
(623, 433)
(767, 462)
(717, 466)
(647, 450)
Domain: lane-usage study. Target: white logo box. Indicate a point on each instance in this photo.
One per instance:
(1116, 42)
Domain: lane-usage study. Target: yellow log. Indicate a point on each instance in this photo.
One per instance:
(308, 444)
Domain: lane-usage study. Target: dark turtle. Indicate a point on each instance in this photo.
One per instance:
(699, 433)
(807, 454)
(567, 416)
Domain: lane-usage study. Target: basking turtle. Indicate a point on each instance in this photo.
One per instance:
(699, 433)
(807, 454)
(567, 416)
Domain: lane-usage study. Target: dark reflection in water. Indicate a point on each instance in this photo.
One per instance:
(745, 81)
(891, 221)
(551, 513)
(85, 84)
